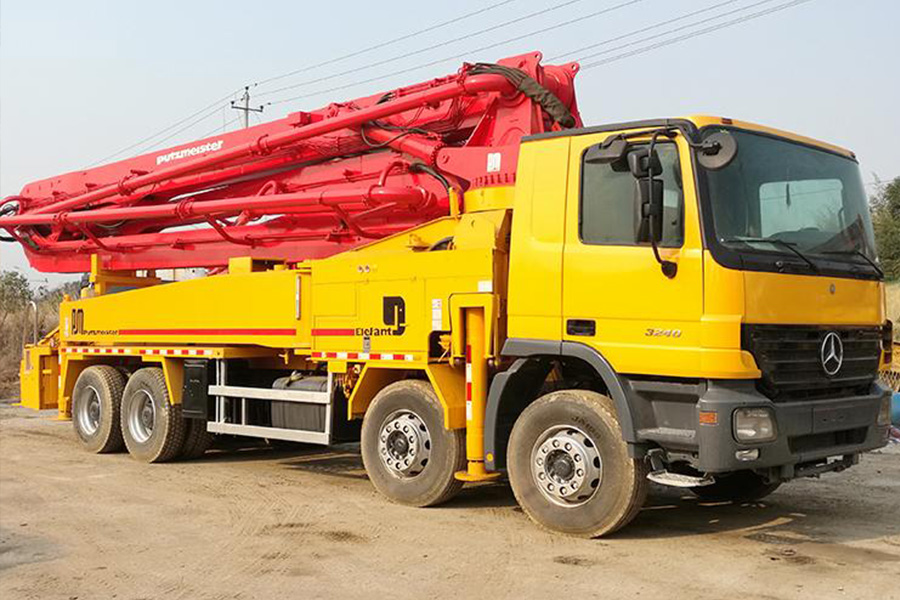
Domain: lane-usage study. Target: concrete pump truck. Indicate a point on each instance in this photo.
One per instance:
(465, 279)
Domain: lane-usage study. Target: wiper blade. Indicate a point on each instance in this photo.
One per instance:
(789, 245)
(860, 253)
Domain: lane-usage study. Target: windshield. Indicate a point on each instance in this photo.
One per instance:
(802, 199)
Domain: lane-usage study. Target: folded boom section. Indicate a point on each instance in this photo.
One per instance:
(306, 186)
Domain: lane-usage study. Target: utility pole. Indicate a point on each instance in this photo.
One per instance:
(246, 106)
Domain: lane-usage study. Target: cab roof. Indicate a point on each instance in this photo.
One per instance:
(695, 122)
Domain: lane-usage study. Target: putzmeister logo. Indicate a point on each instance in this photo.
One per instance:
(194, 151)
(832, 353)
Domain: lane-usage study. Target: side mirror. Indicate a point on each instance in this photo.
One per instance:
(646, 168)
(611, 151)
(717, 150)
(640, 162)
(649, 208)
(648, 194)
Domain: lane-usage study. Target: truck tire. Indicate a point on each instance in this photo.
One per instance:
(197, 439)
(569, 466)
(96, 403)
(409, 455)
(742, 486)
(151, 425)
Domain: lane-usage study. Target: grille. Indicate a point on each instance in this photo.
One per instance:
(789, 357)
(823, 441)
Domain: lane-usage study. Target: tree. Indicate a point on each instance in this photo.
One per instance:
(886, 221)
(15, 293)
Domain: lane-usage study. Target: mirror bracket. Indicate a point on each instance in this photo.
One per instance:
(644, 164)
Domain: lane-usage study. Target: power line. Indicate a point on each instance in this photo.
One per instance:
(465, 54)
(669, 31)
(223, 127)
(217, 102)
(691, 35)
(205, 117)
(387, 43)
(378, 63)
(215, 105)
(162, 131)
(648, 28)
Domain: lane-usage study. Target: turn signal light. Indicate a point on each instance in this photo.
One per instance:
(708, 417)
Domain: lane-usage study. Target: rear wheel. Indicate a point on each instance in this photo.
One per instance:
(569, 466)
(742, 486)
(409, 455)
(197, 439)
(151, 425)
(96, 402)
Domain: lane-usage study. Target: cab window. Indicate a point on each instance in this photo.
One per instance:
(607, 213)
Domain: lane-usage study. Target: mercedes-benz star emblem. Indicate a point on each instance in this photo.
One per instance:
(832, 353)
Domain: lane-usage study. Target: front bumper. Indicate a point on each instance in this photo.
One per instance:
(808, 432)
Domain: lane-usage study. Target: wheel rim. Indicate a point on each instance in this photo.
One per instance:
(142, 416)
(566, 466)
(90, 411)
(404, 444)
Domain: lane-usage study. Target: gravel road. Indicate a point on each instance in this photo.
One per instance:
(250, 522)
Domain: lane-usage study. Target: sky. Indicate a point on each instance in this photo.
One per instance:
(80, 80)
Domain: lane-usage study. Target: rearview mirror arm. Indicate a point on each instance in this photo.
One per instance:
(669, 268)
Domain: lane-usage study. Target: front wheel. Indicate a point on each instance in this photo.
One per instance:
(409, 455)
(569, 466)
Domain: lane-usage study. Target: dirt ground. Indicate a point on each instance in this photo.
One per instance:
(256, 523)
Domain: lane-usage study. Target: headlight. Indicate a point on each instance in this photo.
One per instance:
(754, 425)
(884, 413)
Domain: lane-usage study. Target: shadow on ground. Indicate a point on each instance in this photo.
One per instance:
(794, 514)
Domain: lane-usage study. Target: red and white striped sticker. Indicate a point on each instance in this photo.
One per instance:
(136, 351)
(363, 356)
(468, 383)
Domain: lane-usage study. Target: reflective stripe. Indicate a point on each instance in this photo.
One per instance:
(468, 383)
(363, 356)
(130, 351)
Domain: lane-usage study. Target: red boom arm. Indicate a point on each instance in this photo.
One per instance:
(306, 186)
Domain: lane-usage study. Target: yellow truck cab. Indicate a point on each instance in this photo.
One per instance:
(745, 339)
(691, 301)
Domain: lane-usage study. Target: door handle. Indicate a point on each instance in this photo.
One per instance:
(586, 327)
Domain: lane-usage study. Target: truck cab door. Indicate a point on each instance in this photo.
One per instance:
(615, 297)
